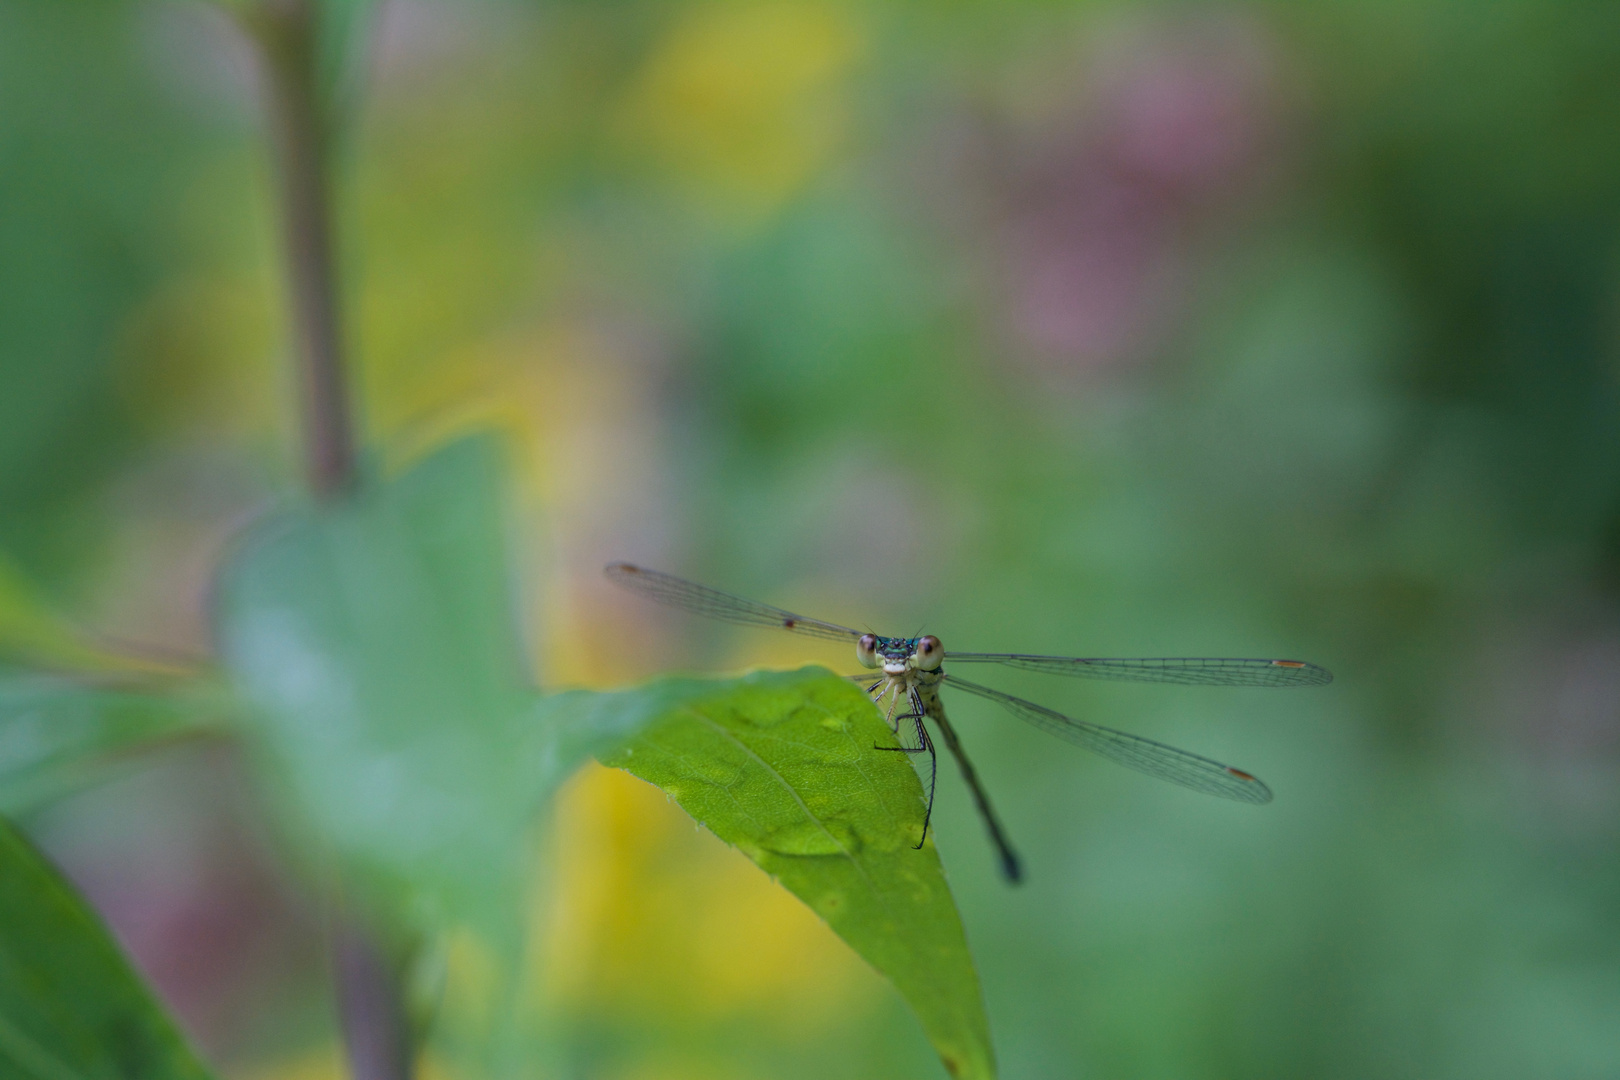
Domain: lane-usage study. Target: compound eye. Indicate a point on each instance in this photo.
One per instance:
(866, 650)
(930, 653)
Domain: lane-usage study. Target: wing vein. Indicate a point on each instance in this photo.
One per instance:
(1183, 670)
(1134, 752)
(702, 600)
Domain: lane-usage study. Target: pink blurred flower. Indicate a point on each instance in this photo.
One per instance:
(1105, 196)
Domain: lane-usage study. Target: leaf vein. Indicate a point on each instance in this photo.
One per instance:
(780, 779)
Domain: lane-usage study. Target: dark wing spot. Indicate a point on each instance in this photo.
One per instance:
(788, 623)
(1288, 663)
(1241, 775)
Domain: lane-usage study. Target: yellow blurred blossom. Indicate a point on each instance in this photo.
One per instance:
(659, 919)
(329, 1063)
(745, 102)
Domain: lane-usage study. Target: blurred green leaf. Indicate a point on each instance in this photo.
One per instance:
(783, 765)
(376, 644)
(86, 224)
(59, 734)
(70, 1007)
(31, 632)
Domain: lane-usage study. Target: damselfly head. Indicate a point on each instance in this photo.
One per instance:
(929, 653)
(866, 650)
(894, 654)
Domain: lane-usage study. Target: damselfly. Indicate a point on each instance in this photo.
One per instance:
(913, 670)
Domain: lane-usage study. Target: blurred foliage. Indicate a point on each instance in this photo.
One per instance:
(375, 642)
(1092, 328)
(69, 1004)
(88, 146)
(59, 734)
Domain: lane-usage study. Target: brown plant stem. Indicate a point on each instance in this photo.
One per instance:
(287, 33)
(376, 1030)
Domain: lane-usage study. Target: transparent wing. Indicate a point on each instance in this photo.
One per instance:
(1132, 751)
(1188, 671)
(702, 600)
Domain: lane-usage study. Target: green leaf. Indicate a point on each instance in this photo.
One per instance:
(70, 1007)
(57, 734)
(783, 766)
(32, 633)
(376, 644)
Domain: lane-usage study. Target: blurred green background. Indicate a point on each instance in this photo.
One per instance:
(1091, 328)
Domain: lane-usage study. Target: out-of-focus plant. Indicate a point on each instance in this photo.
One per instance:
(69, 1004)
(370, 660)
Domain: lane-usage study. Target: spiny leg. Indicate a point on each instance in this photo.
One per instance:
(889, 718)
(1009, 859)
(925, 745)
(933, 762)
(877, 695)
(915, 716)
